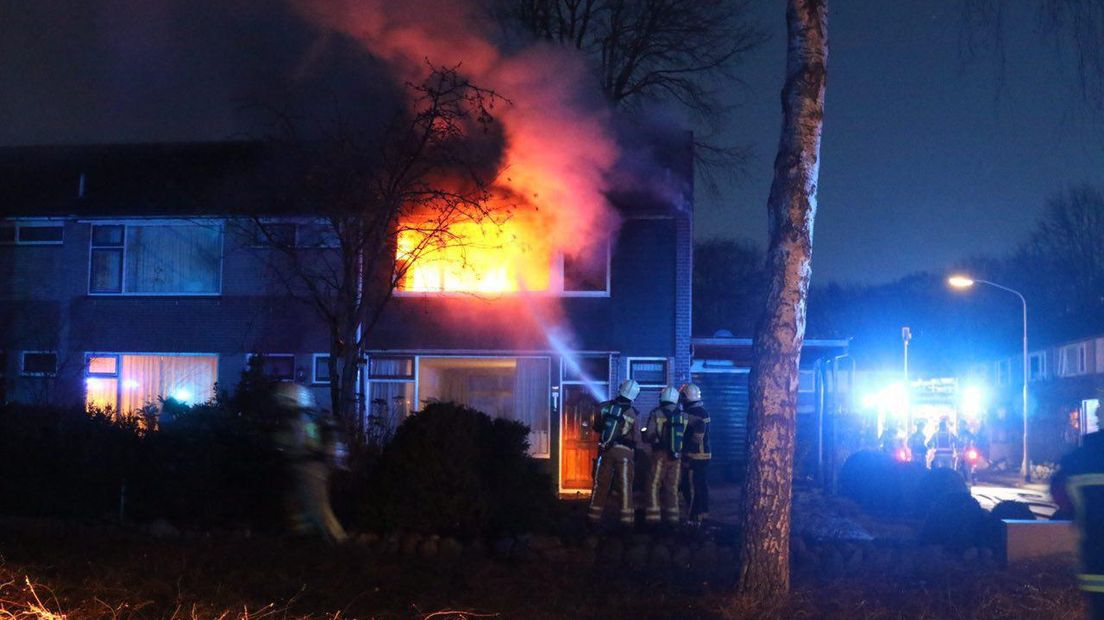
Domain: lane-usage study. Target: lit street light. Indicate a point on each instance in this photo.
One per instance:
(965, 282)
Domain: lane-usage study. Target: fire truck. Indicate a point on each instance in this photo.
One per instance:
(962, 406)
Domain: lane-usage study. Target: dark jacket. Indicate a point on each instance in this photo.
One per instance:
(1079, 486)
(616, 424)
(696, 442)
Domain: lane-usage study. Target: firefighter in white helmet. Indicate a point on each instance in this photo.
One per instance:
(617, 432)
(663, 431)
(306, 440)
(695, 452)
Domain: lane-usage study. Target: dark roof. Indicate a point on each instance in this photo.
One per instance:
(122, 179)
(220, 178)
(741, 351)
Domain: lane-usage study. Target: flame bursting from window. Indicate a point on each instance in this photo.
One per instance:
(486, 257)
(559, 150)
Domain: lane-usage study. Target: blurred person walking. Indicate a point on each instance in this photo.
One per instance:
(307, 440)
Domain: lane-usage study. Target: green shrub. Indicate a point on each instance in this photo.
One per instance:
(1012, 509)
(876, 481)
(956, 521)
(933, 486)
(454, 470)
(206, 465)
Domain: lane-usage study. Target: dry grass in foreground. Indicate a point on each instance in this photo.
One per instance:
(50, 571)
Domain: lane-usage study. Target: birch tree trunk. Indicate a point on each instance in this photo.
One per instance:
(767, 497)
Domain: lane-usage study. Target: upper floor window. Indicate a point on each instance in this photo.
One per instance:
(1073, 359)
(31, 233)
(287, 234)
(1004, 372)
(156, 259)
(494, 258)
(587, 276)
(1036, 366)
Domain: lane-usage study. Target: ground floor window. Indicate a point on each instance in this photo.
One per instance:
(1090, 416)
(128, 382)
(39, 363)
(275, 366)
(511, 388)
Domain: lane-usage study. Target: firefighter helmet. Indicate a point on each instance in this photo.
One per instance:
(293, 395)
(691, 393)
(669, 395)
(629, 389)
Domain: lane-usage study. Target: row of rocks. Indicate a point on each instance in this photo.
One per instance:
(638, 550)
(849, 558)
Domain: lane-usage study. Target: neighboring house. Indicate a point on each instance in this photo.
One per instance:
(122, 282)
(1065, 385)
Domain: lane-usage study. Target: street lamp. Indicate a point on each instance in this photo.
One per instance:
(960, 281)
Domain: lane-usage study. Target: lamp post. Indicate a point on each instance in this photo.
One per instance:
(965, 282)
(906, 336)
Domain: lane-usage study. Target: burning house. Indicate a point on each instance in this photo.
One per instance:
(125, 281)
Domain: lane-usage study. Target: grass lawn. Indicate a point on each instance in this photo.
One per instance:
(98, 571)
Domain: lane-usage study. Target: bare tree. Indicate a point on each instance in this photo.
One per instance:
(375, 201)
(1075, 27)
(730, 283)
(644, 51)
(1063, 259)
(768, 489)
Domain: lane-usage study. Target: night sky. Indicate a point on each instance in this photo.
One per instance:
(927, 158)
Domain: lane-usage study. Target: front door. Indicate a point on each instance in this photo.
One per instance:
(580, 443)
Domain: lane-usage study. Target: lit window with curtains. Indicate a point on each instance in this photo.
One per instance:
(141, 259)
(502, 387)
(125, 383)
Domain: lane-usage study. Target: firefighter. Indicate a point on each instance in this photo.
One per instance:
(307, 441)
(1078, 488)
(890, 440)
(943, 443)
(617, 431)
(695, 452)
(918, 445)
(663, 431)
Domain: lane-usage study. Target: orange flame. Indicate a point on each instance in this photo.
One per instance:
(485, 257)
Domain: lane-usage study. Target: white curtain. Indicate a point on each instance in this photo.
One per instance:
(173, 259)
(531, 402)
(146, 379)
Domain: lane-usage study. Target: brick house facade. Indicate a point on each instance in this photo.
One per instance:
(122, 281)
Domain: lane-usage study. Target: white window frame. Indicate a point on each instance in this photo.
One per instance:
(555, 283)
(604, 381)
(249, 359)
(297, 225)
(152, 222)
(23, 363)
(118, 355)
(666, 371)
(460, 356)
(314, 369)
(16, 225)
(88, 365)
(1081, 357)
(1041, 357)
(802, 388)
(254, 243)
(563, 292)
